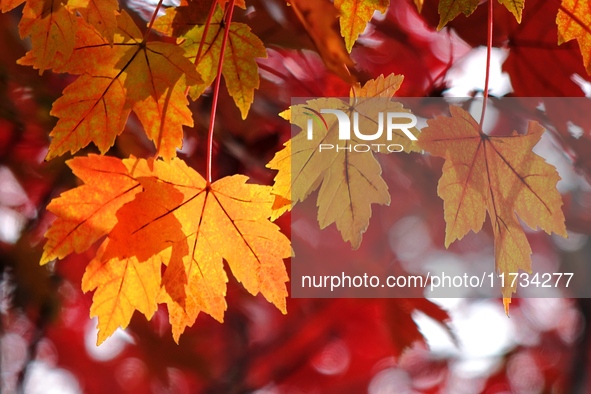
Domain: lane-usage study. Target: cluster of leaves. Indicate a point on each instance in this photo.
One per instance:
(155, 212)
(122, 70)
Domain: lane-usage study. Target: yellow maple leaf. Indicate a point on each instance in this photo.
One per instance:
(240, 69)
(498, 175)
(203, 224)
(87, 212)
(350, 181)
(354, 16)
(120, 288)
(574, 22)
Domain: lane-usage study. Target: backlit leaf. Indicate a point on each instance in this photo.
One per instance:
(149, 78)
(121, 287)
(240, 69)
(204, 225)
(350, 182)
(87, 212)
(52, 29)
(500, 176)
(164, 213)
(99, 13)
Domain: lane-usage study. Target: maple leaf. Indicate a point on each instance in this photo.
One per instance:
(318, 18)
(574, 22)
(121, 287)
(204, 224)
(349, 181)
(52, 29)
(240, 69)
(498, 175)
(99, 13)
(149, 78)
(354, 16)
(87, 212)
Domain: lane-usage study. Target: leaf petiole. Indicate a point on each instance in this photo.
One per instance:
(488, 55)
(216, 89)
(203, 38)
(154, 16)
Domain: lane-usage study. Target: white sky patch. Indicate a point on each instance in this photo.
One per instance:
(145, 8)
(12, 196)
(575, 130)
(468, 74)
(110, 348)
(483, 331)
(44, 379)
(583, 84)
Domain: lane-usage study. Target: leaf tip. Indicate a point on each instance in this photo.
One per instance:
(419, 5)
(46, 257)
(101, 336)
(286, 114)
(506, 303)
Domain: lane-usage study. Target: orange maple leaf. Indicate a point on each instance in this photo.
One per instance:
(204, 224)
(87, 212)
(149, 78)
(498, 175)
(574, 22)
(52, 29)
(155, 213)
